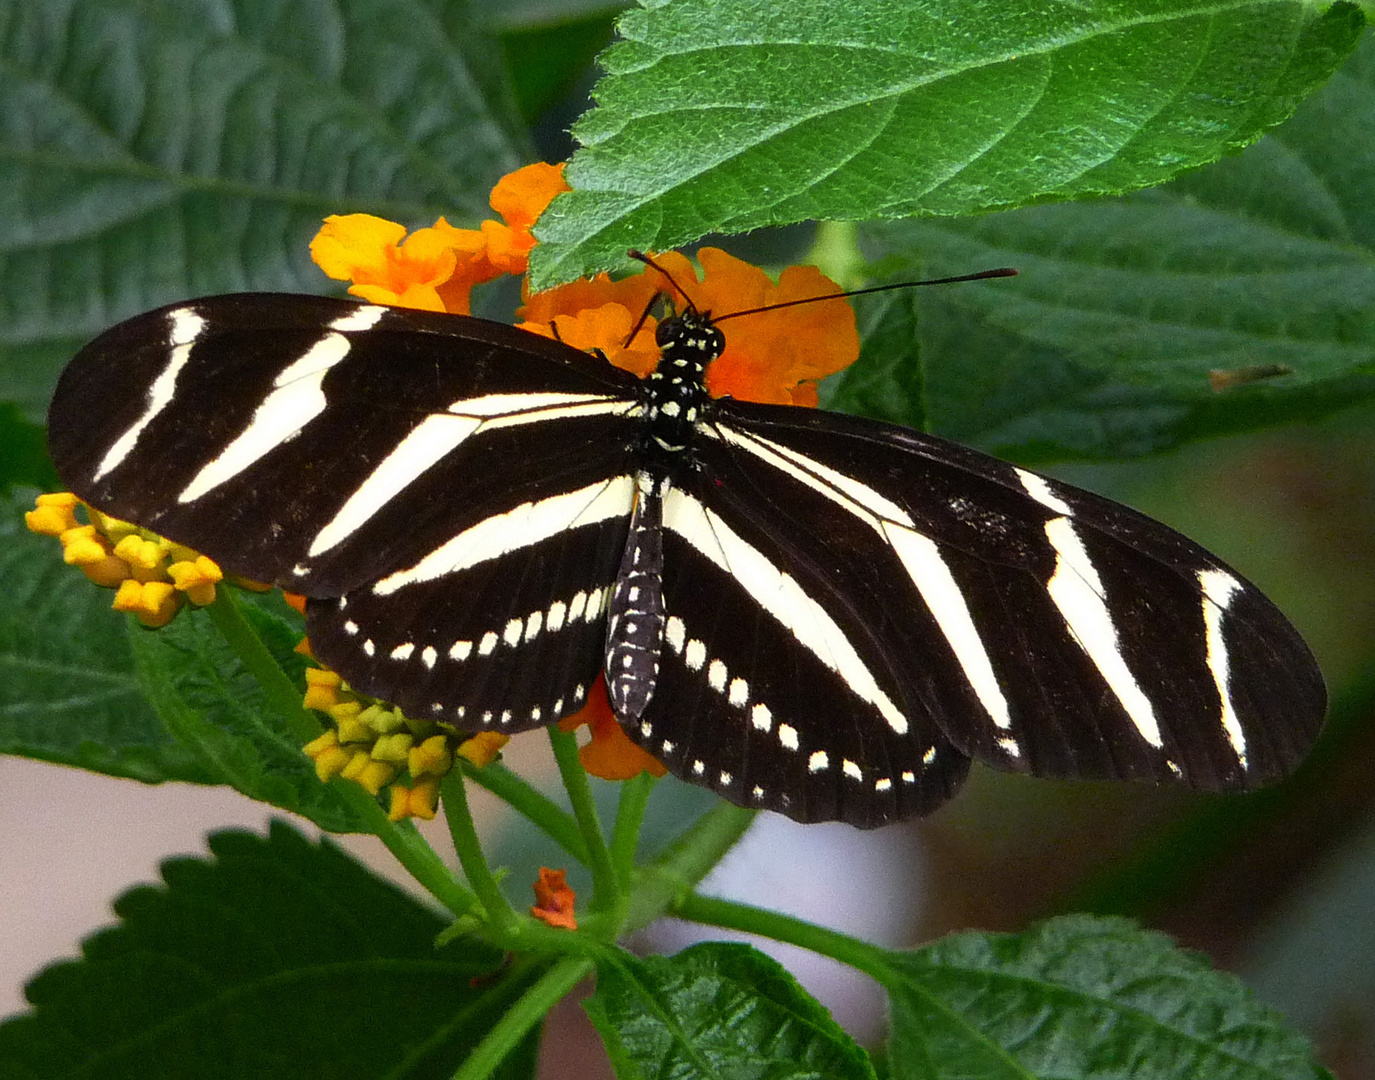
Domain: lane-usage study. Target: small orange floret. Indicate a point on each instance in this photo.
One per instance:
(554, 899)
(610, 755)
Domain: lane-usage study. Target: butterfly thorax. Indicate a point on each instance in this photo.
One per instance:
(676, 392)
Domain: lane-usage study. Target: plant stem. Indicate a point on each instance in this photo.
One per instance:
(605, 887)
(556, 822)
(630, 815)
(663, 882)
(479, 875)
(283, 696)
(772, 924)
(284, 699)
(527, 1011)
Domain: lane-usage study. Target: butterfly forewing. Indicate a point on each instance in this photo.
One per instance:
(318, 443)
(1051, 631)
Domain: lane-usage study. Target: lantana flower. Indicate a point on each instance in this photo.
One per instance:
(153, 577)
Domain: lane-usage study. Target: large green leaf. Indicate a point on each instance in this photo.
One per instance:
(1104, 345)
(280, 958)
(728, 115)
(715, 1011)
(68, 689)
(1080, 999)
(212, 704)
(81, 684)
(154, 151)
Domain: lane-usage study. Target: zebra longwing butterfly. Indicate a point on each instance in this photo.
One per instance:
(808, 612)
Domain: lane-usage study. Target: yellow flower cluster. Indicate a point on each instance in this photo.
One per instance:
(153, 577)
(371, 743)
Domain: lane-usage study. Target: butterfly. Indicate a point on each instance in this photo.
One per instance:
(808, 612)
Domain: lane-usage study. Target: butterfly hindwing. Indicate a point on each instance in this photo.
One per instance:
(1053, 631)
(501, 627)
(771, 689)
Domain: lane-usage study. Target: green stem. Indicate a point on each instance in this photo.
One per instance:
(528, 1010)
(630, 815)
(605, 888)
(283, 695)
(835, 251)
(685, 862)
(625, 841)
(557, 823)
(772, 924)
(284, 699)
(479, 875)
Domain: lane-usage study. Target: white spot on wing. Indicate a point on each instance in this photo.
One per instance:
(787, 736)
(818, 762)
(675, 633)
(696, 655)
(403, 652)
(716, 675)
(739, 695)
(761, 718)
(460, 650)
(428, 656)
(557, 611)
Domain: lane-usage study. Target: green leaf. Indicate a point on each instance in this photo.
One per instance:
(68, 689)
(213, 705)
(1103, 347)
(279, 958)
(716, 1010)
(887, 382)
(725, 115)
(1075, 998)
(23, 453)
(159, 150)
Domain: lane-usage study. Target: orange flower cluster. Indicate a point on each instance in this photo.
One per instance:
(436, 268)
(152, 577)
(779, 359)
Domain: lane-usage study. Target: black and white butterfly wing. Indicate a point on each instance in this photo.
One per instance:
(1046, 630)
(451, 477)
(318, 443)
(781, 683)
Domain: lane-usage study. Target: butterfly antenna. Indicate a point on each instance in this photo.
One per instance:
(1002, 271)
(640, 256)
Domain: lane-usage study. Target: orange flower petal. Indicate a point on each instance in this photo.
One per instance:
(554, 899)
(520, 197)
(350, 245)
(610, 755)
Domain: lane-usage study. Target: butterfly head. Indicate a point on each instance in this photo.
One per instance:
(691, 335)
